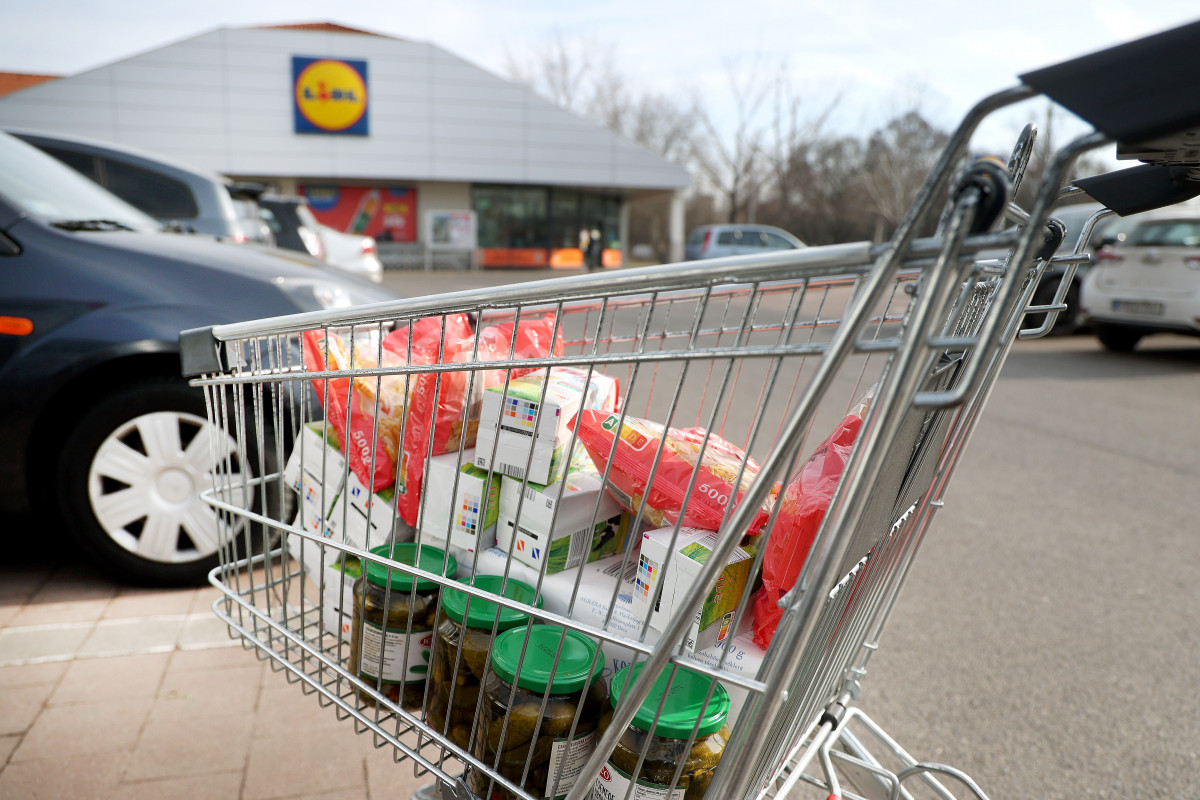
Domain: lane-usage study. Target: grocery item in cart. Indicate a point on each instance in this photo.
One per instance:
(669, 565)
(363, 518)
(667, 499)
(692, 706)
(460, 655)
(349, 412)
(467, 515)
(564, 524)
(392, 632)
(592, 604)
(316, 457)
(525, 426)
(337, 592)
(521, 738)
(442, 412)
(802, 507)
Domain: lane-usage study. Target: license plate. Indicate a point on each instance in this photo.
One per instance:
(1146, 308)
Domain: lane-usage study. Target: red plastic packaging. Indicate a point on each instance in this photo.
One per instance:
(802, 507)
(666, 499)
(435, 408)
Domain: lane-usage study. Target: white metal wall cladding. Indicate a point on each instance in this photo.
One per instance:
(223, 100)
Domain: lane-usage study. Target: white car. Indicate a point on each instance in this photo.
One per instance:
(350, 251)
(1146, 281)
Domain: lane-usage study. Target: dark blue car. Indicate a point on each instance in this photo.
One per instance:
(100, 432)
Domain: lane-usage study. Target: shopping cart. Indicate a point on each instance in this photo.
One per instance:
(749, 361)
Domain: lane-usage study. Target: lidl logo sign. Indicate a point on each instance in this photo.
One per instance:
(330, 95)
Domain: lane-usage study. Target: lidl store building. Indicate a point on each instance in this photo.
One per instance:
(440, 160)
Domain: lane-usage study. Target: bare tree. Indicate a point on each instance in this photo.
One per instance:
(898, 158)
(730, 159)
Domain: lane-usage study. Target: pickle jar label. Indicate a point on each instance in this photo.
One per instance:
(405, 657)
(567, 757)
(613, 784)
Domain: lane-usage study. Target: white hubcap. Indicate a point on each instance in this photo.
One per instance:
(145, 481)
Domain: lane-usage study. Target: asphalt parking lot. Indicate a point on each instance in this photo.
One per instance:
(1048, 641)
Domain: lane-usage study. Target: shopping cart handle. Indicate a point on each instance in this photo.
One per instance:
(200, 352)
(1143, 188)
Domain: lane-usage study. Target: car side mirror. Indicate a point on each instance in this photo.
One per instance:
(8, 246)
(1106, 241)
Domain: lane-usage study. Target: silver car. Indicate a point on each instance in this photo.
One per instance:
(714, 241)
(185, 198)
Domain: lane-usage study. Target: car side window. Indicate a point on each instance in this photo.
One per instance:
(157, 195)
(83, 163)
(753, 239)
(777, 242)
(727, 237)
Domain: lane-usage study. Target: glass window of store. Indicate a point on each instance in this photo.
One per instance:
(525, 217)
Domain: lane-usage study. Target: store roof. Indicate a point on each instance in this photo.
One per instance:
(16, 81)
(224, 100)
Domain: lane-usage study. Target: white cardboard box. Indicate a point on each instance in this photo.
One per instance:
(663, 584)
(337, 607)
(556, 525)
(349, 521)
(507, 420)
(469, 519)
(323, 463)
(310, 519)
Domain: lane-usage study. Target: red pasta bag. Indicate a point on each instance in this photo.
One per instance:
(802, 507)
(349, 402)
(666, 499)
(436, 406)
(377, 405)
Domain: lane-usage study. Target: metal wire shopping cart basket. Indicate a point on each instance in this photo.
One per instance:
(737, 369)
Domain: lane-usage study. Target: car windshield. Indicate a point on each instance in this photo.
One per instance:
(1166, 233)
(43, 187)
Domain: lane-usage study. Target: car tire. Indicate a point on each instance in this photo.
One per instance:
(129, 478)
(1117, 339)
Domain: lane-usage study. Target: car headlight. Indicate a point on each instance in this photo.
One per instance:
(315, 295)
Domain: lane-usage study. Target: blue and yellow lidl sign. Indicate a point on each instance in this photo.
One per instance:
(330, 95)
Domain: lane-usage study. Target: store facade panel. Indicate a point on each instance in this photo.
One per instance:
(379, 129)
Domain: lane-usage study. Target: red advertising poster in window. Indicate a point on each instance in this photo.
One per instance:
(389, 213)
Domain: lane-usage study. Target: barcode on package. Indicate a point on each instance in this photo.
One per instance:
(630, 571)
(581, 543)
(513, 472)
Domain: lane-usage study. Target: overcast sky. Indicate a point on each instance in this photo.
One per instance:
(877, 56)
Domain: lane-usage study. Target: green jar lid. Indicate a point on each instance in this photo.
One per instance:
(483, 612)
(431, 560)
(685, 703)
(572, 673)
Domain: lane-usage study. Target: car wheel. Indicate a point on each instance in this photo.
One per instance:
(130, 476)
(1117, 339)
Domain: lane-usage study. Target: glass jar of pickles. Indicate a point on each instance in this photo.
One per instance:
(392, 631)
(668, 735)
(464, 639)
(531, 746)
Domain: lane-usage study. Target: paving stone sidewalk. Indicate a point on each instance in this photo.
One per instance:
(114, 693)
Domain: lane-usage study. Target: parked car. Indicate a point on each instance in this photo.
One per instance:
(1146, 281)
(99, 427)
(714, 241)
(296, 228)
(186, 198)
